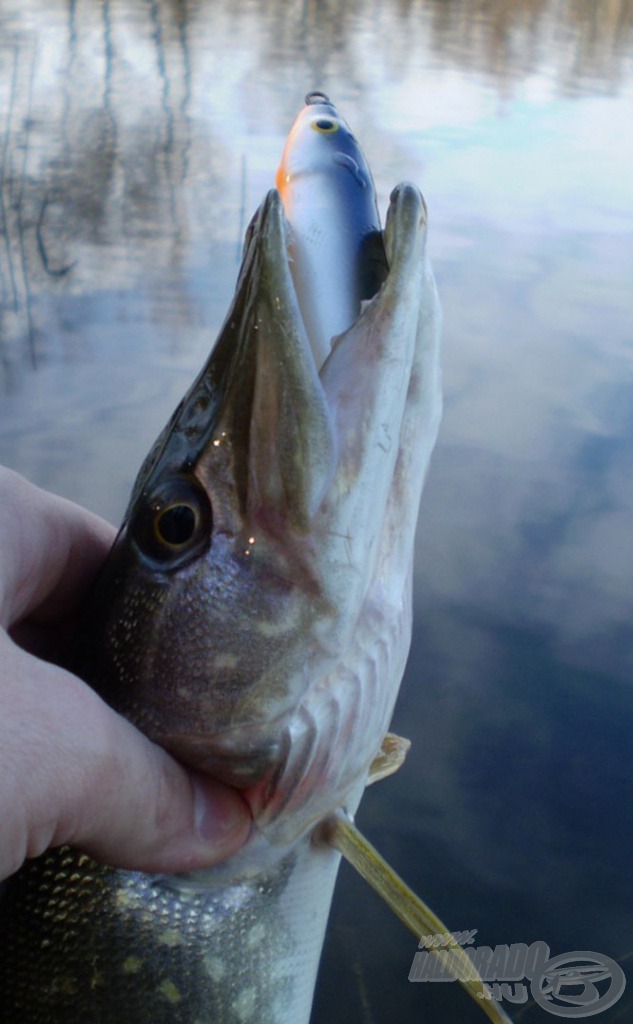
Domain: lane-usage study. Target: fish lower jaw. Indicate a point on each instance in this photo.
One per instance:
(243, 757)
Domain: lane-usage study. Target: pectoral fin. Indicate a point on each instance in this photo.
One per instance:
(389, 758)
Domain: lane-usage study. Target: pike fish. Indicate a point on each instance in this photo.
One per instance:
(254, 618)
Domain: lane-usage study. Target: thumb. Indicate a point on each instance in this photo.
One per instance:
(75, 772)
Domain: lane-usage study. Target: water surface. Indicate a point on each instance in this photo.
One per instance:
(137, 140)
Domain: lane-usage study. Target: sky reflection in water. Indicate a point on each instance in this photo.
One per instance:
(138, 139)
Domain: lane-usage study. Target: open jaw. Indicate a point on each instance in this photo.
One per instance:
(268, 646)
(335, 472)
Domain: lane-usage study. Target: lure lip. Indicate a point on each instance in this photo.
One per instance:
(317, 96)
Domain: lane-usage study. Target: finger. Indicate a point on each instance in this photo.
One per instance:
(50, 550)
(73, 771)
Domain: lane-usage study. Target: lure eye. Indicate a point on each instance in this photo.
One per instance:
(174, 524)
(324, 125)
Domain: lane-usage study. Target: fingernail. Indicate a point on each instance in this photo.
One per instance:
(222, 816)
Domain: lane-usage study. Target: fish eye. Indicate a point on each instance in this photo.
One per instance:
(174, 523)
(324, 125)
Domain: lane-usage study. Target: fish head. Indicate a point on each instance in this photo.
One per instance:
(268, 531)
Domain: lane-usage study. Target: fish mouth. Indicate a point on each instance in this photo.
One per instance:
(298, 463)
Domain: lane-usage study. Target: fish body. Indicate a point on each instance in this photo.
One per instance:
(254, 618)
(337, 255)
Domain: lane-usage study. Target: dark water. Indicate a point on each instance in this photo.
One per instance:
(137, 138)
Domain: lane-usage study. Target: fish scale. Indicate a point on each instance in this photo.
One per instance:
(160, 951)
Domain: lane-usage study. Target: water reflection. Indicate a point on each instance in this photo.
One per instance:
(137, 139)
(125, 125)
(584, 44)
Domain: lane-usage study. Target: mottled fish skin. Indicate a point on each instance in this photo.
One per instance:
(99, 946)
(334, 522)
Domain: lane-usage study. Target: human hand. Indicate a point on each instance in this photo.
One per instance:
(71, 769)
